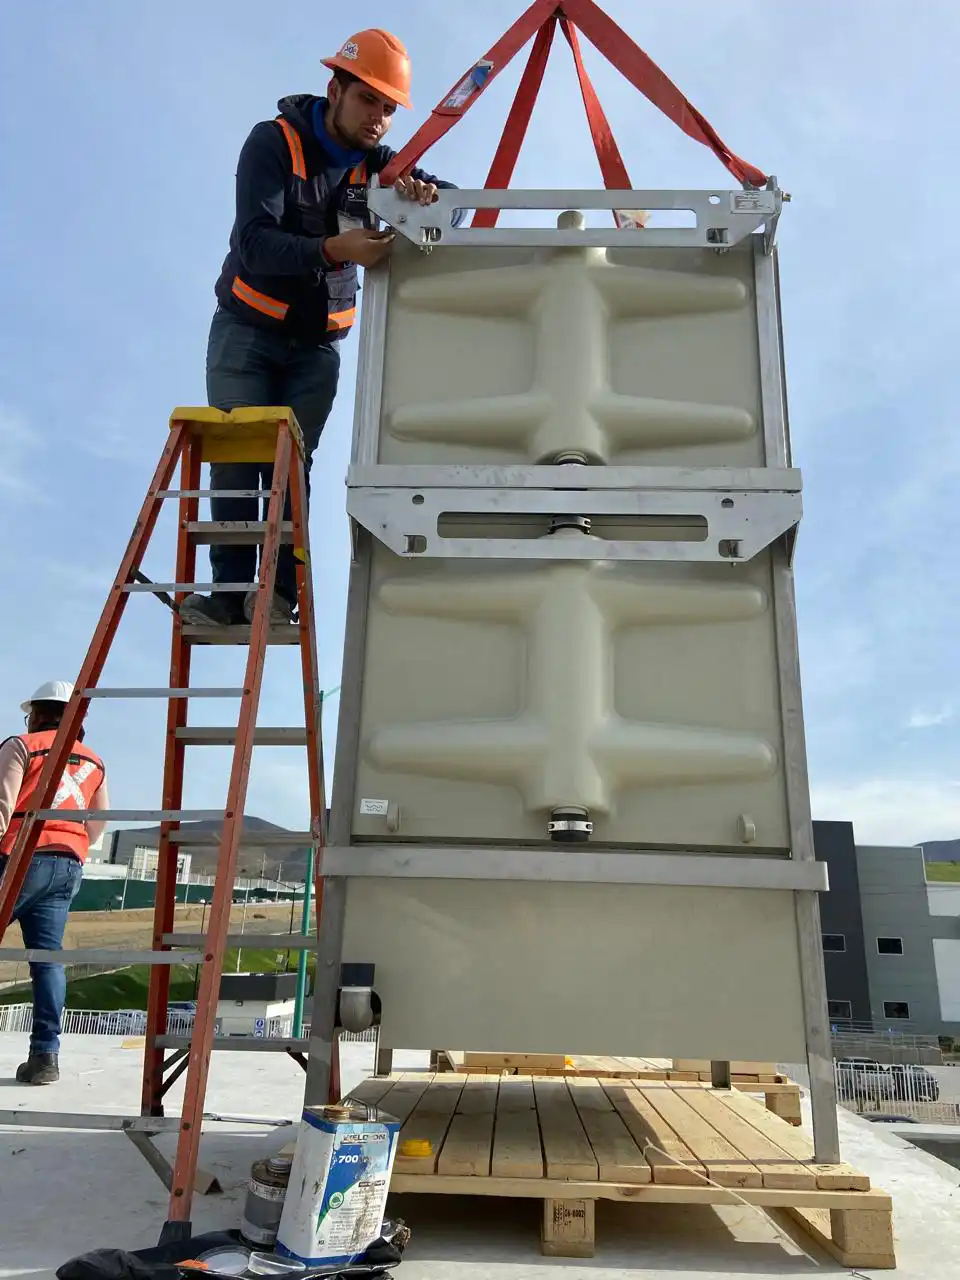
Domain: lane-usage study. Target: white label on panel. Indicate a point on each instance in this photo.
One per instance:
(375, 808)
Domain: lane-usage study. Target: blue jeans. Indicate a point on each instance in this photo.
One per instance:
(246, 366)
(52, 883)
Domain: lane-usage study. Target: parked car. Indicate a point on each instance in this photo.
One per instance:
(863, 1080)
(914, 1084)
(122, 1022)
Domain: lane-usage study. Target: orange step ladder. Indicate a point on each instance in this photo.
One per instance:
(197, 435)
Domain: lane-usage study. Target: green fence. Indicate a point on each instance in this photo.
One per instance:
(127, 895)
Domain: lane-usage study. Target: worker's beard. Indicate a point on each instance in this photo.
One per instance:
(344, 136)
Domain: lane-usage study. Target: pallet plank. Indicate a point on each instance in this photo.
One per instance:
(516, 1094)
(468, 1145)
(619, 1159)
(372, 1091)
(830, 1177)
(428, 1122)
(407, 1088)
(566, 1148)
(673, 1163)
(723, 1162)
(517, 1148)
(776, 1168)
(479, 1096)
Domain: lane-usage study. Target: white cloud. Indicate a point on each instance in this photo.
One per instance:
(930, 719)
(892, 810)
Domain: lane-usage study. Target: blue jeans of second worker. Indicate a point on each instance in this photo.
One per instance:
(52, 883)
(247, 365)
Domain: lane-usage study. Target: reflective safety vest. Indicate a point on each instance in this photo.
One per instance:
(81, 781)
(323, 307)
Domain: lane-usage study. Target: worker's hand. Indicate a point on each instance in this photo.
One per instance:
(364, 247)
(415, 189)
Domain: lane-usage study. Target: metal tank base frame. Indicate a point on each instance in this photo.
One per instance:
(472, 927)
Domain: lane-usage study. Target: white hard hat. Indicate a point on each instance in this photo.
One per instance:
(51, 691)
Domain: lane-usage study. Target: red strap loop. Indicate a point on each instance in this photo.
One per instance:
(616, 46)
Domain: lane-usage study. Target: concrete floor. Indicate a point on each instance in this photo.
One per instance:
(64, 1192)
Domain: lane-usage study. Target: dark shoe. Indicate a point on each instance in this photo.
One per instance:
(281, 610)
(210, 611)
(39, 1068)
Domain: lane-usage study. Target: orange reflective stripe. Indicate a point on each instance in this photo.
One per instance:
(259, 301)
(341, 319)
(295, 145)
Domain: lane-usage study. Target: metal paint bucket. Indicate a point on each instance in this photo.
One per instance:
(266, 1191)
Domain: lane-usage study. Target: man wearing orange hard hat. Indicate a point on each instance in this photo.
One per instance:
(288, 288)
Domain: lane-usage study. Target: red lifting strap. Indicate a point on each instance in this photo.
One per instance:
(615, 176)
(616, 46)
(515, 130)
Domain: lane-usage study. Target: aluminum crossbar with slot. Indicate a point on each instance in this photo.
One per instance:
(484, 862)
(722, 218)
(706, 526)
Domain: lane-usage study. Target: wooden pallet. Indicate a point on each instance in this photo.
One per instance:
(781, 1094)
(570, 1141)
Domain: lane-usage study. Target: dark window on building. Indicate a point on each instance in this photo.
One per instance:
(890, 946)
(839, 1009)
(896, 1009)
(834, 942)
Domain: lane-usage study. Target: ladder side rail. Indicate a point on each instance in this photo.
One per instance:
(20, 855)
(310, 667)
(158, 997)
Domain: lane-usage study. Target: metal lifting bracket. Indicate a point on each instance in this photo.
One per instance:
(723, 218)
(672, 513)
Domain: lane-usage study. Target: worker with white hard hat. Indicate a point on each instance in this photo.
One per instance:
(55, 871)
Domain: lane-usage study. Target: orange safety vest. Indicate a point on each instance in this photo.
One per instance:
(287, 302)
(81, 781)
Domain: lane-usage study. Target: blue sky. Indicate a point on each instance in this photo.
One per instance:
(120, 126)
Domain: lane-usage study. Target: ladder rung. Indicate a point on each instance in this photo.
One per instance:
(277, 839)
(190, 587)
(234, 532)
(212, 493)
(100, 955)
(163, 693)
(249, 1043)
(226, 737)
(90, 1120)
(285, 633)
(264, 941)
(130, 815)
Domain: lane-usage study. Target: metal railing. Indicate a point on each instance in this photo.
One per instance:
(909, 1090)
(94, 1022)
(18, 1018)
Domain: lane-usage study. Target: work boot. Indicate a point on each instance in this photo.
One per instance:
(39, 1068)
(281, 610)
(218, 610)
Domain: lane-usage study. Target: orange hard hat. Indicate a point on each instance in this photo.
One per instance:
(379, 60)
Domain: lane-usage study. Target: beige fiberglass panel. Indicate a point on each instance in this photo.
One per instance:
(622, 969)
(646, 693)
(648, 356)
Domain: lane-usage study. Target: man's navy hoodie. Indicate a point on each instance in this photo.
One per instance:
(281, 224)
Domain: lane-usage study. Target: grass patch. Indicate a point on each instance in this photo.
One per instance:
(943, 871)
(127, 988)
